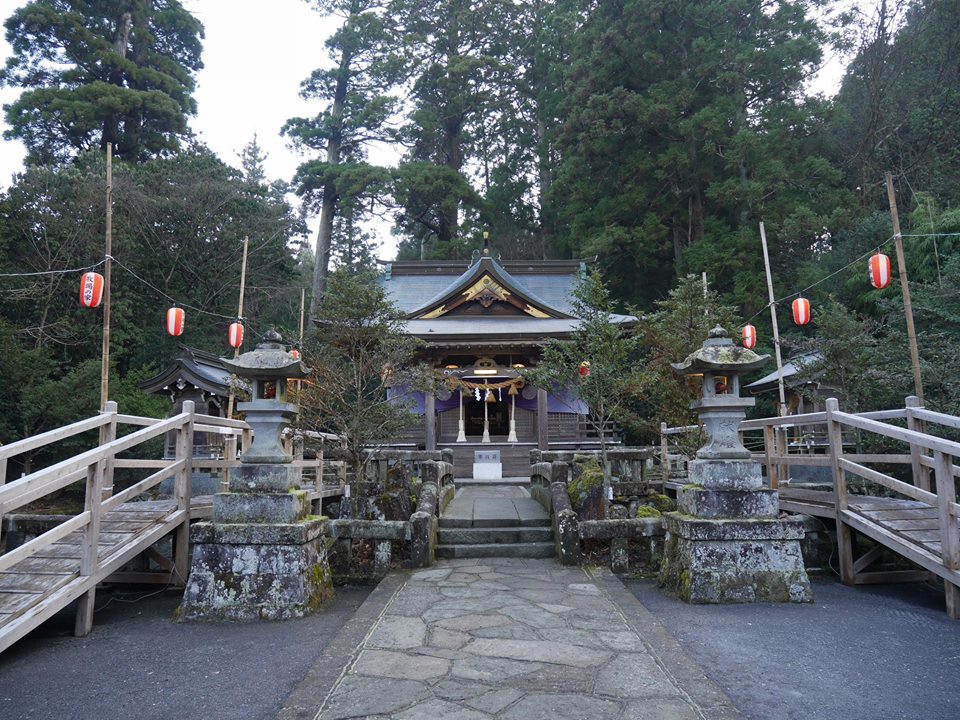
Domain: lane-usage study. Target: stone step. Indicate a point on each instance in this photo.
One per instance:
(495, 536)
(514, 550)
(454, 521)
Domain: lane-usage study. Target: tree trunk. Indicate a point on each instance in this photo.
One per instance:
(120, 43)
(328, 207)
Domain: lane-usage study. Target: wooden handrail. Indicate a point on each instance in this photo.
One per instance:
(38, 543)
(51, 436)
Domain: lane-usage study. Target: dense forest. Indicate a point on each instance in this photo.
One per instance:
(652, 134)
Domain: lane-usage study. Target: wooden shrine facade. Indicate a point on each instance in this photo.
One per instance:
(481, 326)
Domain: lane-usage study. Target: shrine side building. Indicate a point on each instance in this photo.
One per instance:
(481, 324)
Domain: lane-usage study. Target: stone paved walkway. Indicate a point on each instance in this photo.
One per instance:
(493, 506)
(518, 639)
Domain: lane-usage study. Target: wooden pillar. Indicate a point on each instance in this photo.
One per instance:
(108, 433)
(543, 436)
(949, 535)
(921, 473)
(844, 533)
(430, 416)
(181, 491)
(89, 547)
(664, 454)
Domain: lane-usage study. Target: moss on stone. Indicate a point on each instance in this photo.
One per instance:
(645, 511)
(587, 482)
(661, 502)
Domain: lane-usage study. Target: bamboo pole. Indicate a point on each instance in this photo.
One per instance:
(303, 298)
(905, 288)
(107, 267)
(231, 450)
(236, 351)
(773, 320)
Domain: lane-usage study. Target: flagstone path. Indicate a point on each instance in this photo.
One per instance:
(517, 639)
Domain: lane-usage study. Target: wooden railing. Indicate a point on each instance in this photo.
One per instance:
(95, 468)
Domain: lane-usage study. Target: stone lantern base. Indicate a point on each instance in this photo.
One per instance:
(728, 546)
(263, 557)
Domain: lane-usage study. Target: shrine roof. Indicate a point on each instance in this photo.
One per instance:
(197, 367)
(415, 287)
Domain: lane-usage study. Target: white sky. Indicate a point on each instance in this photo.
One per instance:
(255, 55)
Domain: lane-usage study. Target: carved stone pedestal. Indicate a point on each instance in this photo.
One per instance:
(727, 545)
(263, 557)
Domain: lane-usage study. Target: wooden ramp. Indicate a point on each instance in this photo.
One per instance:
(34, 589)
(918, 518)
(909, 528)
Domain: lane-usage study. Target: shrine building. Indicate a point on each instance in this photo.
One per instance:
(480, 326)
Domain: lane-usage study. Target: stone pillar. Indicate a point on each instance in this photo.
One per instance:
(543, 439)
(430, 417)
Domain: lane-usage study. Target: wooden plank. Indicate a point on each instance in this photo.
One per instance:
(49, 478)
(867, 559)
(922, 524)
(840, 499)
(795, 493)
(144, 485)
(938, 418)
(920, 536)
(908, 436)
(143, 578)
(51, 436)
(892, 576)
(136, 463)
(10, 502)
(15, 603)
(887, 481)
(914, 553)
(802, 508)
(20, 582)
(46, 566)
(871, 502)
(884, 515)
(42, 542)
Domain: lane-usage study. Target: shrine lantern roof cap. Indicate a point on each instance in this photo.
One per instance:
(720, 355)
(269, 360)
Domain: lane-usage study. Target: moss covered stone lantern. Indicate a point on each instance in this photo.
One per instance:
(262, 556)
(726, 543)
(268, 367)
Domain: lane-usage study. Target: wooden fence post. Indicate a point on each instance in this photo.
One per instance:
(108, 435)
(921, 473)
(664, 454)
(844, 534)
(949, 539)
(181, 537)
(229, 455)
(769, 450)
(89, 546)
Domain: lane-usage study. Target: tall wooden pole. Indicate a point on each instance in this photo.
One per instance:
(236, 351)
(303, 299)
(905, 288)
(107, 266)
(773, 320)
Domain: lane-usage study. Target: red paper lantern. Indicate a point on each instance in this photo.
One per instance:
(584, 368)
(749, 334)
(175, 319)
(91, 289)
(235, 335)
(801, 311)
(879, 271)
(295, 354)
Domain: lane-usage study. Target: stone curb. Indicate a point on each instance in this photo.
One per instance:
(711, 702)
(308, 697)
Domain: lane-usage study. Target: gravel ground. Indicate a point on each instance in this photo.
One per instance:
(137, 663)
(869, 652)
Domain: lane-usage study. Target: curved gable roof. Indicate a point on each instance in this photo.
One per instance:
(487, 276)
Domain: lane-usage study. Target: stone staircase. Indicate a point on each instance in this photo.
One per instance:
(495, 521)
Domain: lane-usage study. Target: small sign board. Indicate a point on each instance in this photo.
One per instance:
(486, 456)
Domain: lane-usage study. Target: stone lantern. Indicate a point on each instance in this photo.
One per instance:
(263, 556)
(268, 366)
(726, 543)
